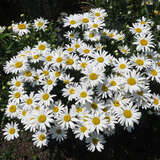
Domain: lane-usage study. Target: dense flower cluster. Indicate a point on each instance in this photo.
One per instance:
(81, 86)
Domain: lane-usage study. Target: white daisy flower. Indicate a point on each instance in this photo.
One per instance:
(98, 13)
(155, 102)
(140, 61)
(93, 75)
(70, 92)
(71, 35)
(153, 73)
(133, 81)
(139, 29)
(83, 94)
(103, 90)
(16, 83)
(16, 65)
(42, 47)
(67, 120)
(10, 131)
(91, 35)
(40, 24)
(57, 108)
(58, 133)
(72, 21)
(121, 66)
(40, 139)
(81, 131)
(97, 121)
(21, 28)
(95, 141)
(42, 118)
(124, 49)
(128, 115)
(44, 97)
(144, 42)
(29, 101)
(11, 110)
(16, 96)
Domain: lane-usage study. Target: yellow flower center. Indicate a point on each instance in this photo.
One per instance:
(140, 93)
(111, 35)
(41, 47)
(122, 66)
(127, 113)
(95, 141)
(18, 64)
(108, 118)
(69, 61)
(57, 73)
(83, 64)
(18, 83)
(143, 42)
(143, 22)
(58, 131)
(77, 45)
(28, 74)
(100, 59)
(49, 81)
(46, 73)
(154, 72)
(94, 105)
(66, 81)
(42, 118)
(45, 96)
(139, 30)
(37, 108)
(83, 129)
(59, 59)
(69, 49)
(140, 62)
(113, 83)
(96, 121)
(29, 101)
(12, 108)
(93, 76)
(104, 88)
(67, 118)
(36, 56)
(95, 25)
(91, 35)
(97, 14)
(124, 50)
(49, 58)
(72, 91)
(55, 109)
(116, 103)
(21, 26)
(78, 109)
(40, 24)
(85, 20)
(17, 95)
(12, 131)
(86, 51)
(71, 35)
(72, 22)
(131, 81)
(156, 101)
(24, 112)
(83, 94)
(42, 137)
(105, 109)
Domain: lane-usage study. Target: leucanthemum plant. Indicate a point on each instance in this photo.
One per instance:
(82, 86)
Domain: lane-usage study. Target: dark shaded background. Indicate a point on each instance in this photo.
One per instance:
(50, 9)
